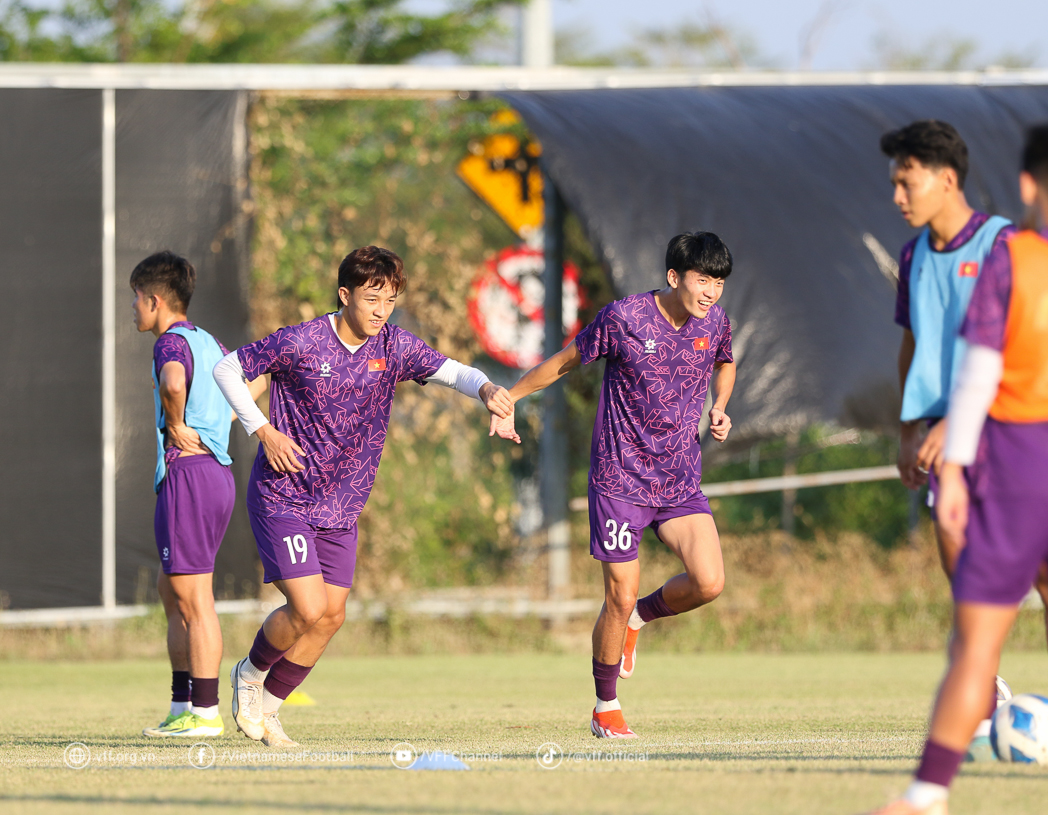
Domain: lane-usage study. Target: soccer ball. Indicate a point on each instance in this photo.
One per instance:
(1019, 731)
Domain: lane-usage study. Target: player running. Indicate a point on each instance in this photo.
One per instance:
(195, 490)
(662, 348)
(333, 381)
(994, 482)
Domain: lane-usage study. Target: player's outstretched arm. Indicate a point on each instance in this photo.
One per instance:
(173, 400)
(723, 385)
(541, 376)
(546, 373)
(474, 384)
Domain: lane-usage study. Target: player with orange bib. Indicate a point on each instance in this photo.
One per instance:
(993, 490)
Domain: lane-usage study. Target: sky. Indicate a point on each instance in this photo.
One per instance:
(847, 40)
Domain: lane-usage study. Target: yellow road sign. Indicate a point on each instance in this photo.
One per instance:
(504, 172)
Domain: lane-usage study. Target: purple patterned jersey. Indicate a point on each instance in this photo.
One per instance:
(987, 314)
(335, 405)
(645, 447)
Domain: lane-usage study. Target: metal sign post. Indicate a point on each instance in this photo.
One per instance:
(553, 447)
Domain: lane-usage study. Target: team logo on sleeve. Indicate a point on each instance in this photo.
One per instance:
(702, 344)
(649, 346)
(969, 269)
(376, 364)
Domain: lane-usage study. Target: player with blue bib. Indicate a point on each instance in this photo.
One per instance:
(194, 487)
(994, 480)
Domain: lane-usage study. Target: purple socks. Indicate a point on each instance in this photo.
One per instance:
(262, 654)
(204, 692)
(653, 606)
(180, 686)
(605, 678)
(938, 764)
(285, 676)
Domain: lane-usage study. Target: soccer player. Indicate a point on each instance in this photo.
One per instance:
(195, 491)
(332, 387)
(937, 272)
(993, 490)
(662, 348)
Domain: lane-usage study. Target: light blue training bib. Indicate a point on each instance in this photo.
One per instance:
(207, 411)
(941, 285)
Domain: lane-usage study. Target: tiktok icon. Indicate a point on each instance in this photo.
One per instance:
(549, 756)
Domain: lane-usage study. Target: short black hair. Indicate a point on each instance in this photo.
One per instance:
(169, 275)
(1035, 154)
(700, 252)
(933, 143)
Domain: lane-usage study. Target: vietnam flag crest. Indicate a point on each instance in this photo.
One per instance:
(702, 343)
(969, 269)
(376, 364)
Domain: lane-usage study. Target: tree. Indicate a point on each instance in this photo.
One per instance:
(264, 31)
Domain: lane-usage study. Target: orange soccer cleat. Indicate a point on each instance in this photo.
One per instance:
(610, 725)
(629, 653)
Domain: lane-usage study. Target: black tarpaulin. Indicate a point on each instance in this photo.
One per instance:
(793, 180)
(181, 180)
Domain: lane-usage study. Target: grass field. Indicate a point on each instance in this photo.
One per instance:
(722, 733)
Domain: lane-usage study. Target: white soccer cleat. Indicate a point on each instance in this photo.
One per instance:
(247, 704)
(904, 807)
(1004, 691)
(275, 735)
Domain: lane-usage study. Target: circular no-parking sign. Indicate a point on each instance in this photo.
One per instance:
(505, 306)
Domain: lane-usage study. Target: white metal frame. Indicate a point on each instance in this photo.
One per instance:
(408, 79)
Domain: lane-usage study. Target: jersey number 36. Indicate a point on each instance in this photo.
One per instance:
(621, 537)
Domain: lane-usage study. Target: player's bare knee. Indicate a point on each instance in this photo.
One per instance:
(306, 615)
(332, 621)
(620, 602)
(194, 608)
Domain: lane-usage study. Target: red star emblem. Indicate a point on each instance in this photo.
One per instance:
(970, 269)
(702, 343)
(376, 364)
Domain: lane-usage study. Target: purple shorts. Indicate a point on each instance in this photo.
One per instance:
(616, 527)
(193, 509)
(293, 548)
(1007, 517)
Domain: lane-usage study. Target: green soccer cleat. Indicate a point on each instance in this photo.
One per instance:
(980, 750)
(190, 724)
(155, 731)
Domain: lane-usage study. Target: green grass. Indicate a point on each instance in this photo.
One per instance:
(722, 733)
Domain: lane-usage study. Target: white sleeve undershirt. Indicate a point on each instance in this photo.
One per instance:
(229, 374)
(977, 383)
(467, 381)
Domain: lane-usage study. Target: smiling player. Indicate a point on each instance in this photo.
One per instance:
(662, 348)
(994, 489)
(333, 381)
